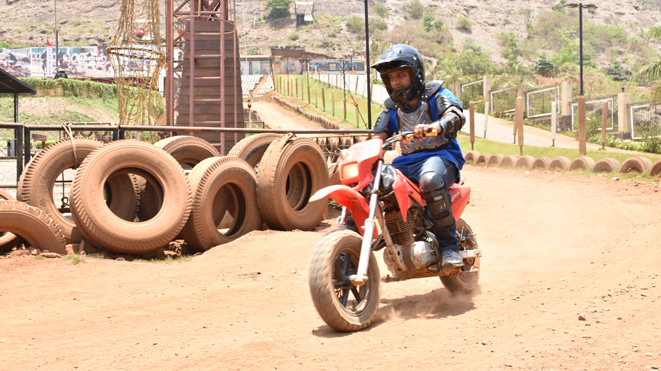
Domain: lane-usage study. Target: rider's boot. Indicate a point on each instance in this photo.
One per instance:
(440, 210)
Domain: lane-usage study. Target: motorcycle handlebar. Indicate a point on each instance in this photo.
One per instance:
(408, 136)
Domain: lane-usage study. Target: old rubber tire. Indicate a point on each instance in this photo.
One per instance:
(103, 227)
(581, 163)
(559, 163)
(252, 148)
(524, 162)
(151, 198)
(188, 151)
(464, 283)
(471, 156)
(35, 186)
(541, 163)
(607, 165)
(334, 258)
(656, 168)
(482, 159)
(221, 184)
(507, 161)
(34, 226)
(636, 163)
(289, 174)
(8, 240)
(495, 159)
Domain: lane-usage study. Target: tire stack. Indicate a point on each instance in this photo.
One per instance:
(134, 198)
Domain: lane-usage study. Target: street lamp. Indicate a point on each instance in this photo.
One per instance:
(580, 7)
(623, 85)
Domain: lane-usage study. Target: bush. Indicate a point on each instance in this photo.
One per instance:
(544, 67)
(377, 24)
(381, 11)
(439, 25)
(294, 36)
(428, 21)
(465, 24)
(278, 8)
(355, 24)
(415, 9)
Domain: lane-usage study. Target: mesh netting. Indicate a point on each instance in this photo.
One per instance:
(136, 61)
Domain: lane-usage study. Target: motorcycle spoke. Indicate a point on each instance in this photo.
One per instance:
(356, 294)
(345, 296)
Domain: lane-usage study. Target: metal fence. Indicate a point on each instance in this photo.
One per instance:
(645, 120)
(22, 150)
(539, 102)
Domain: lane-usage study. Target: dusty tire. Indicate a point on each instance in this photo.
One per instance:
(289, 174)
(541, 163)
(151, 198)
(606, 165)
(635, 163)
(336, 246)
(508, 161)
(221, 184)
(471, 156)
(482, 159)
(35, 186)
(581, 163)
(524, 162)
(34, 226)
(495, 159)
(105, 229)
(465, 283)
(252, 148)
(9, 240)
(656, 168)
(559, 163)
(188, 151)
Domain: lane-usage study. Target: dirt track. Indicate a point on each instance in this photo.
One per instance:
(555, 246)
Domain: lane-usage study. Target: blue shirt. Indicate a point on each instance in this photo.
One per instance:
(451, 153)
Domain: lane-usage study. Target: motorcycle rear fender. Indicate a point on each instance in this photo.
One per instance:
(460, 196)
(349, 198)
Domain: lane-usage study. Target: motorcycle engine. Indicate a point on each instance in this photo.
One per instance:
(422, 254)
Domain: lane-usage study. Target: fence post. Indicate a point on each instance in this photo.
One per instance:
(323, 98)
(581, 126)
(316, 97)
(18, 151)
(554, 122)
(333, 101)
(309, 93)
(516, 114)
(486, 88)
(604, 124)
(296, 83)
(357, 113)
(486, 117)
(356, 90)
(345, 109)
(471, 119)
(288, 86)
(623, 119)
(519, 121)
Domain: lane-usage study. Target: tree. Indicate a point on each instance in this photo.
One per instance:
(278, 8)
(652, 71)
(544, 66)
(428, 20)
(614, 71)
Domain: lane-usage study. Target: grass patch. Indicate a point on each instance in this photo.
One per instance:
(488, 146)
(329, 93)
(74, 259)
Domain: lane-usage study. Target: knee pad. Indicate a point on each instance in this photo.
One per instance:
(440, 207)
(430, 181)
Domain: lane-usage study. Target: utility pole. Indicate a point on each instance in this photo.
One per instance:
(57, 47)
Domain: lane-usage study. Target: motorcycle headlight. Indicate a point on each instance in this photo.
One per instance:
(349, 171)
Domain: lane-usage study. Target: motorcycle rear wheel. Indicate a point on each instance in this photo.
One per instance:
(464, 283)
(343, 306)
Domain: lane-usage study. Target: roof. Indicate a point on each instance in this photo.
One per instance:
(11, 85)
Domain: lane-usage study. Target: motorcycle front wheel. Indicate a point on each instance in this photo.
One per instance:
(72, 68)
(343, 306)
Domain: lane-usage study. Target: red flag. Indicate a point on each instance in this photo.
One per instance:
(47, 42)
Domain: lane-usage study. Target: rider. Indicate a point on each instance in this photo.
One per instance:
(431, 162)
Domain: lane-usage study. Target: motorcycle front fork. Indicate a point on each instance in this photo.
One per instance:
(360, 277)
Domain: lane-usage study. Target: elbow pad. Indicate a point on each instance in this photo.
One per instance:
(453, 121)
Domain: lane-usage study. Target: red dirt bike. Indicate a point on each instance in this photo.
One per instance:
(387, 212)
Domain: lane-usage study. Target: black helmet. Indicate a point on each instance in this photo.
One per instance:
(402, 56)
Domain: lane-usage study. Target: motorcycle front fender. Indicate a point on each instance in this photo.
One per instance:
(349, 198)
